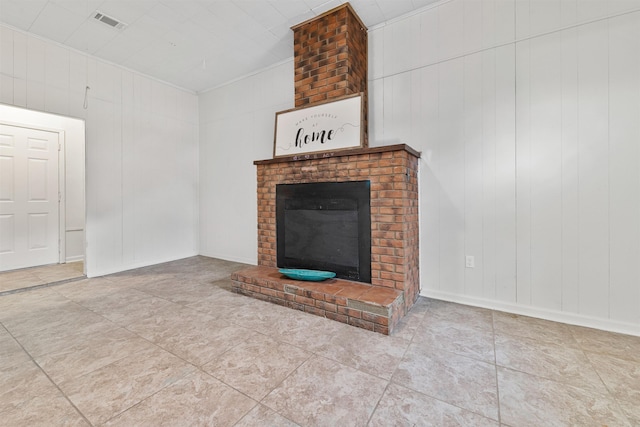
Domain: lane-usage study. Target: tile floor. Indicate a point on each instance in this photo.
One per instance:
(171, 345)
(39, 276)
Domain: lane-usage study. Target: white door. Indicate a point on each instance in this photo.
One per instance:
(29, 216)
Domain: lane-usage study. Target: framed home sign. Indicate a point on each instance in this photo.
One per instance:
(330, 126)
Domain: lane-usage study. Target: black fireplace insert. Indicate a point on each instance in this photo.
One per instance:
(325, 226)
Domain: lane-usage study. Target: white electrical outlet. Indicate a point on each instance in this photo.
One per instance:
(470, 261)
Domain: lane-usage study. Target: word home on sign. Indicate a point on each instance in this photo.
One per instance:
(321, 137)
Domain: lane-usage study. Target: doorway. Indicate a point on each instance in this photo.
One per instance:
(42, 189)
(29, 197)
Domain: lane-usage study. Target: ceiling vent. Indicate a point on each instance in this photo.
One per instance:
(112, 22)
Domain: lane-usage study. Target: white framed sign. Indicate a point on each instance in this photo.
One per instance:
(334, 125)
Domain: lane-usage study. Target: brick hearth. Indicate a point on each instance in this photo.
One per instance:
(358, 304)
(394, 287)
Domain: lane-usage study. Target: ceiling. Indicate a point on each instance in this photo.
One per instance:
(193, 44)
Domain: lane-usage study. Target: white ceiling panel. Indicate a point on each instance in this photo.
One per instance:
(127, 11)
(262, 12)
(326, 6)
(20, 13)
(188, 9)
(167, 16)
(56, 23)
(370, 12)
(119, 49)
(392, 9)
(91, 36)
(289, 8)
(170, 39)
(81, 7)
(312, 4)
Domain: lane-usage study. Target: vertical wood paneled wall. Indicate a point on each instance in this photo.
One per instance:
(237, 127)
(527, 114)
(141, 149)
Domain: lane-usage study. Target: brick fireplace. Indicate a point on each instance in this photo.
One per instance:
(331, 62)
(392, 172)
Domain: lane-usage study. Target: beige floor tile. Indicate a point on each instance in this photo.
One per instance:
(303, 330)
(261, 416)
(622, 378)
(210, 274)
(60, 272)
(125, 313)
(11, 352)
(67, 316)
(189, 334)
(138, 372)
(48, 409)
(408, 325)
(475, 317)
(180, 290)
(22, 303)
(257, 365)
(112, 389)
(618, 345)
(457, 380)
(115, 300)
(17, 275)
(195, 400)
(222, 304)
(322, 392)
(528, 400)
(631, 410)
(370, 352)
(137, 278)
(87, 289)
(259, 315)
(182, 268)
(552, 361)
(401, 406)
(422, 305)
(37, 276)
(95, 352)
(47, 341)
(19, 383)
(537, 329)
(456, 337)
(25, 281)
(208, 270)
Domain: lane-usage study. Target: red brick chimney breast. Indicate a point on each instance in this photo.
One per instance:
(330, 58)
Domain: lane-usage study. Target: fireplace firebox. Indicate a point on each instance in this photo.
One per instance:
(325, 226)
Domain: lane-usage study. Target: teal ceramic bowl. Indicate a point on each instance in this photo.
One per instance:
(308, 275)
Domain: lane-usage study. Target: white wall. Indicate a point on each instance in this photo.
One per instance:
(528, 117)
(236, 128)
(141, 149)
(527, 114)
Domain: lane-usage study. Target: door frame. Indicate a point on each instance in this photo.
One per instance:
(62, 206)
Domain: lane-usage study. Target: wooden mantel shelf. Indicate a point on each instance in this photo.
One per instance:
(339, 153)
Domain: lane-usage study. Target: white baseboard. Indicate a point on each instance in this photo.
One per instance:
(76, 258)
(541, 313)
